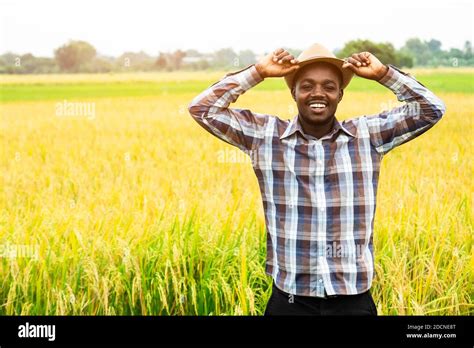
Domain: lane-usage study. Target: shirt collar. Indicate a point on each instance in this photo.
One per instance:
(295, 125)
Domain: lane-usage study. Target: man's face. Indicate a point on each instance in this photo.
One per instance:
(317, 92)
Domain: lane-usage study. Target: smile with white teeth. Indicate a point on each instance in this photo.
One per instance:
(317, 106)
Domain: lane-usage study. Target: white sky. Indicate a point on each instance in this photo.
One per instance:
(115, 26)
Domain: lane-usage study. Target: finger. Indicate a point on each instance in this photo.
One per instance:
(286, 59)
(348, 65)
(367, 56)
(356, 61)
(353, 61)
(363, 59)
(278, 51)
(280, 55)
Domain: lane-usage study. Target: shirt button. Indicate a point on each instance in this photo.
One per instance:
(320, 280)
(320, 162)
(321, 209)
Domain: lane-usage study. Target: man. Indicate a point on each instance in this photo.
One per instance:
(318, 177)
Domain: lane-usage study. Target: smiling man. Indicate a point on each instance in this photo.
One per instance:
(317, 108)
(318, 177)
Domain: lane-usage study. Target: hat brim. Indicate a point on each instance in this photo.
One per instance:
(347, 74)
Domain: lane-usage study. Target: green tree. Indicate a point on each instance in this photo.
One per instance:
(135, 61)
(383, 51)
(71, 56)
(225, 58)
(418, 49)
(405, 60)
(434, 46)
(468, 50)
(246, 57)
(26, 64)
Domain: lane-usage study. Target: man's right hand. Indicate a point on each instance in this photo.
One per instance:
(277, 64)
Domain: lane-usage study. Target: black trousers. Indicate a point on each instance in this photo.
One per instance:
(282, 303)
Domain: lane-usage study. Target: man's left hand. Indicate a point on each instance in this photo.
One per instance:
(366, 65)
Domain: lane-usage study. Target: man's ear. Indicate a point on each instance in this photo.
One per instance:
(293, 93)
(341, 94)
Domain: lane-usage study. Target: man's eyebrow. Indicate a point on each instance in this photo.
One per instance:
(311, 80)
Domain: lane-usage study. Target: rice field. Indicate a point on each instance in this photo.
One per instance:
(115, 202)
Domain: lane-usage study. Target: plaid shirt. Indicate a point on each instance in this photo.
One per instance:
(319, 195)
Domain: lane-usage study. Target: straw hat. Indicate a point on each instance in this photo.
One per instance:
(319, 53)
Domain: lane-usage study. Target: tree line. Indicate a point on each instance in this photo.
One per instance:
(82, 57)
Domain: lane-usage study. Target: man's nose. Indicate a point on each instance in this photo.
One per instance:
(317, 90)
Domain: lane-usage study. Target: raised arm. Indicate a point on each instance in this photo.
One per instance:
(399, 125)
(239, 127)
